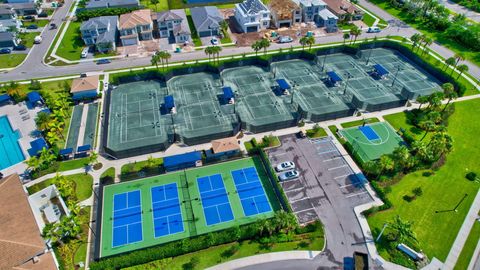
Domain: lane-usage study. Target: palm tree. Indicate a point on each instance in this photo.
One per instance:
(52, 138)
(310, 42)
(150, 162)
(93, 158)
(386, 163)
(256, 46)
(403, 230)
(216, 51)
(33, 163)
(415, 40)
(42, 120)
(422, 100)
(264, 44)
(428, 126)
(155, 3)
(56, 127)
(355, 32)
(372, 167)
(155, 59)
(449, 93)
(285, 221)
(435, 100)
(402, 158)
(449, 62)
(52, 231)
(462, 68)
(224, 27)
(65, 187)
(165, 56)
(303, 41)
(458, 57)
(208, 52)
(427, 42)
(345, 37)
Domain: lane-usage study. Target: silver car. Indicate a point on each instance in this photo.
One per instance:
(284, 166)
(289, 175)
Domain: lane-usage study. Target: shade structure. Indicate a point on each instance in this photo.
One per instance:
(34, 96)
(381, 71)
(181, 161)
(66, 151)
(283, 84)
(37, 146)
(169, 102)
(227, 92)
(333, 77)
(84, 148)
(4, 97)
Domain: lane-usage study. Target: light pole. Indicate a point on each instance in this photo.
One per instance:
(370, 54)
(346, 82)
(294, 85)
(396, 74)
(323, 63)
(381, 232)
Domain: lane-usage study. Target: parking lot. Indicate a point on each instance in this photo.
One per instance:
(327, 189)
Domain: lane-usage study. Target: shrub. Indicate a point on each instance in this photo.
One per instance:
(301, 123)
(84, 15)
(472, 176)
(417, 191)
(428, 173)
(35, 85)
(408, 198)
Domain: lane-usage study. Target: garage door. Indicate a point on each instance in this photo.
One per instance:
(285, 24)
(252, 29)
(130, 41)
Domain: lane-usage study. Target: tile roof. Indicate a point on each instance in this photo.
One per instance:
(134, 18)
(225, 145)
(84, 84)
(341, 6)
(20, 238)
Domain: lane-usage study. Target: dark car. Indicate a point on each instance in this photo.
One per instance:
(103, 61)
(20, 47)
(28, 17)
(32, 26)
(5, 51)
(53, 26)
(42, 15)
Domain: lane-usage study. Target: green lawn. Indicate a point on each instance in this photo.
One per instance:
(83, 185)
(218, 254)
(80, 254)
(39, 23)
(441, 191)
(72, 164)
(138, 166)
(72, 44)
(161, 6)
(108, 176)
(400, 120)
(368, 19)
(28, 38)
(11, 60)
(311, 133)
(359, 122)
(196, 40)
(467, 252)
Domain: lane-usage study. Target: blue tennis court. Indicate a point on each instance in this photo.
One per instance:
(369, 133)
(251, 192)
(127, 218)
(216, 205)
(167, 215)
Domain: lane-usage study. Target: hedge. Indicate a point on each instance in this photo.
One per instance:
(85, 14)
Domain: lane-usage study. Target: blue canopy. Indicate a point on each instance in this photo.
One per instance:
(283, 84)
(381, 71)
(169, 102)
(66, 151)
(334, 77)
(227, 92)
(84, 148)
(34, 96)
(4, 97)
(37, 146)
(177, 160)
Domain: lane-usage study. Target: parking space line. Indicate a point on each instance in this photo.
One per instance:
(326, 151)
(305, 210)
(344, 186)
(299, 200)
(341, 176)
(356, 194)
(296, 189)
(334, 168)
(332, 159)
(281, 154)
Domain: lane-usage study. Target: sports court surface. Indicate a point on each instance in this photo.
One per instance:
(372, 141)
(173, 206)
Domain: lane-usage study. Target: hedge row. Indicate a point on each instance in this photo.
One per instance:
(187, 245)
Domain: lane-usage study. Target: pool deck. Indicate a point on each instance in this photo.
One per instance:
(26, 128)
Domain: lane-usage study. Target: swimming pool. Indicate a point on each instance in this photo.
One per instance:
(10, 151)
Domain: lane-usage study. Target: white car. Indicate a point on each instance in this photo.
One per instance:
(284, 166)
(285, 39)
(84, 52)
(373, 30)
(105, 85)
(214, 41)
(289, 175)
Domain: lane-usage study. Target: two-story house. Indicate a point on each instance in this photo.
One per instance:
(134, 26)
(173, 25)
(206, 20)
(285, 13)
(100, 32)
(8, 18)
(252, 15)
(343, 7)
(316, 11)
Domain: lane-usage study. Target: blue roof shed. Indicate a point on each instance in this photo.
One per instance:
(66, 151)
(182, 161)
(334, 78)
(169, 102)
(283, 84)
(84, 148)
(227, 92)
(37, 146)
(4, 97)
(381, 71)
(34, 97)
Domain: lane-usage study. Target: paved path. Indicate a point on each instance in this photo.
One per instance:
(459, 9)
(475, 262)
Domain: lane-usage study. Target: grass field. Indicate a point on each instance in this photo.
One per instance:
(72, 44)
(436, 232)
(359, 122)
(83, 185)
(161, 6)
(72, 164)
(467, 252)
(39, 23)
(11, 60)
(190, 204)
(312, 133)
(28, 38)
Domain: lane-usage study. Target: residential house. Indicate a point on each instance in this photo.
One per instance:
(29, 8)
(173, 25)
(8, 18)
(19, 1)
(343, 7)
(20, 237)
(8, 40)
(206, 20)
(135, 26)
(285, 13)
(252, 16)
(85, 87)
(48, 206)
(96, 4)
(100, 32)
(316, 11)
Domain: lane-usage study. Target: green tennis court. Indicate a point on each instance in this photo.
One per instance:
(174, 206)
(75, 122)
(372, 141)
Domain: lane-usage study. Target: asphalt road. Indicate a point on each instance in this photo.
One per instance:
(459, 9)
(34, 67)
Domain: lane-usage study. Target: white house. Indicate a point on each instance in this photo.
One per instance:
(317, 11)
(47, 206)
(252, 15)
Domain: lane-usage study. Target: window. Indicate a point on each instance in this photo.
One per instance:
(265, 15)
(252, 19)
(43, 196)
(265, 23)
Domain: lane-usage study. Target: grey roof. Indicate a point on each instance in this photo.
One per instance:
(206, 18)
(6, 36)
(252, 6)
(182, 28)
(111, 3)
(102, 22)
(167, 16)
(28, 5)
(6, 9)
(325, 14)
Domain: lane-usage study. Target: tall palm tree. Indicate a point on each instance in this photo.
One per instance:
(386, 163)
(462, 68)
(402, 158)
(264, 43)
(415, 38)
(435, 100)
(42, 120)
(345, 37)
(403, 230)
(449, 93)
(165, 56)
(256, 46)
(303, 41)
(428, 126)
(208, 52)
(224, 27)
(449, 62)
(310, 42)
(458, 57)
(427, 42)
(33, 163)
(422, 100)
(93, 158)
(154, 60)
(57, 127)
(52, 138)
(355, 32)
(216, 51)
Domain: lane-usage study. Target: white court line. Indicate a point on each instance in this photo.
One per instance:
(356, 194)
(334, 168)
(341, 176)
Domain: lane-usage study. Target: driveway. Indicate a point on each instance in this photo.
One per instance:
(327, 186)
